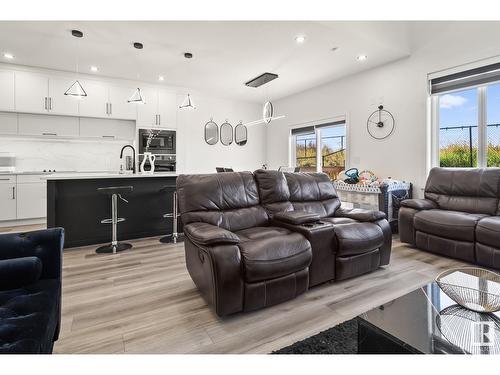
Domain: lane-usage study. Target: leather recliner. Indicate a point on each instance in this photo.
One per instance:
(238, 261)
(252, 245)
(459, 216)
(345, 242)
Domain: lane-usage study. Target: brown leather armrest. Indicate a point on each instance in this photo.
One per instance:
(208, 234)
(419, 204)
(360, 214)
(296, 217)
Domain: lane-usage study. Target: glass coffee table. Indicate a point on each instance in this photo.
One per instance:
(427, 321)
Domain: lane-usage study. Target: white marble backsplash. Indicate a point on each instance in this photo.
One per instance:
(63, 155)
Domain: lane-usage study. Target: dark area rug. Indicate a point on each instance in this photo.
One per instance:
(341, 339)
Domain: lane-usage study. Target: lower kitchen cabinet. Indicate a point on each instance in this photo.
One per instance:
(8, 198)
(31, 197)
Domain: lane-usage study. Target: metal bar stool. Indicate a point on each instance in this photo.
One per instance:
(114, 192)
(174, 215)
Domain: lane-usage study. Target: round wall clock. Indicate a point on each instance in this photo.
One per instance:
(380, 123)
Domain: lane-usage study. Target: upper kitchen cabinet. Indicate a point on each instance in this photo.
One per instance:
(95, 104)
(32, 92)
(167, 109)
(107, 101)
(60, 104)
(160, 110)
(48, 126)
(36, 93)
(147, 113)
(119, 107)
(7, 90)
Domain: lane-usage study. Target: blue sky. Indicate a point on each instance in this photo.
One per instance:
(461, 108)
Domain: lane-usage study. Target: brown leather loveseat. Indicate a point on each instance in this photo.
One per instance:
(255, 240)
(459, 216)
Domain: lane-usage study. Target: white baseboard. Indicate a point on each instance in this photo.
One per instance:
(18, 223)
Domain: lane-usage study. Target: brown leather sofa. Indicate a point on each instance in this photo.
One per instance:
(459, 216)
(255, 240)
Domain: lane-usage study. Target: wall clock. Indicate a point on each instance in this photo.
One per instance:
(380, 123)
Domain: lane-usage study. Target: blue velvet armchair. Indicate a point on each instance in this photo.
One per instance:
(30, 290)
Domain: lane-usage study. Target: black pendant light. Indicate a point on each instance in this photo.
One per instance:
(76, 89)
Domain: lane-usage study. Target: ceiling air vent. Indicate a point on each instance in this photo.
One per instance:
(261, 80)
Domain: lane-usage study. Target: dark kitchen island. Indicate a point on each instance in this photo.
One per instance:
(74, 203)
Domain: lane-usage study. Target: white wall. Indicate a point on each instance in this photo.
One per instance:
(196, 156)
(401, 87)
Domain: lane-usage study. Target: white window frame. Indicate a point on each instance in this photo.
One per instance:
(482, 120)
(292, 161)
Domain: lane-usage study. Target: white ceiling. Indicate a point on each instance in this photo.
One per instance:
(226, 54)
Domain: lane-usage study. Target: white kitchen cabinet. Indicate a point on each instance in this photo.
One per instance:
(160, 110)
(107, 129)
(167, 109)
(31, 93)
(147, 112)
(8, 123)
(8, 197)
(95, 104)
(31, 200)
(7, 91)
(37, 93)
(48, 126)
(120, 108)
(60, 104)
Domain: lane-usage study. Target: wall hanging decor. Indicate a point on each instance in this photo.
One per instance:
(211, 132)
(380, 123)
(240, 134)
(226, 133)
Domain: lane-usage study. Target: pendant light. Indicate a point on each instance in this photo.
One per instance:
(76, 89)
(137, 97)
(187, 103)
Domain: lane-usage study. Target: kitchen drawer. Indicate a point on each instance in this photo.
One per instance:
(7, 179)
(32, 179)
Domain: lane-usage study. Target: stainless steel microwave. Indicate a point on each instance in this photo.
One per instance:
(157, 141)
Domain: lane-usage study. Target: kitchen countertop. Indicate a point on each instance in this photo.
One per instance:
(106, 175)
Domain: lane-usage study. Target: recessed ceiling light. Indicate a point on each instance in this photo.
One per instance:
(161, 78)
(334, 49)
(188, 55)
(94, 68)
(300, 39)
(9, 56)
(361, 57)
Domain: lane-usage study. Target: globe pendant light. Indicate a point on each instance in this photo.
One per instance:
(187, 103)
(137, 97)
(76, 89)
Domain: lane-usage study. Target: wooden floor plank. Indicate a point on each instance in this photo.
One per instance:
(143, 301)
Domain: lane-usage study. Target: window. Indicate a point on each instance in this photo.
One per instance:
(320, 148)
(458, 129)
(466, 113)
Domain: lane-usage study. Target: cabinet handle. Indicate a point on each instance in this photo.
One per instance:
(49, 134)
(45, 105)
(107, 111)
(108, 136)
(50, 104)
(110, 108)
(13, 192)
(4, 179)
(159, 120)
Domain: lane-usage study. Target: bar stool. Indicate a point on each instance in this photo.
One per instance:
(114, 192)
(174, 237)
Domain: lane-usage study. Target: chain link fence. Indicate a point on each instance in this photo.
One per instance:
(458, 146)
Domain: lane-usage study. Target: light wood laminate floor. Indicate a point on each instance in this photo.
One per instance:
(143, 301)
